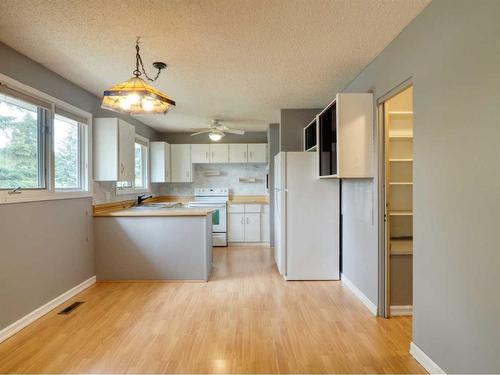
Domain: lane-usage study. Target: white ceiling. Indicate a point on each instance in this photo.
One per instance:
(239, 60)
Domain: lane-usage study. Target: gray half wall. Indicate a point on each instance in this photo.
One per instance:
(46, 249)
(451, 51)
(273, 134)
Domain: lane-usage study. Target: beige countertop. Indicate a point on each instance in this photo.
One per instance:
(150, 211)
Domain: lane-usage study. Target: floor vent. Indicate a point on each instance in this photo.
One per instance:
(70, 308)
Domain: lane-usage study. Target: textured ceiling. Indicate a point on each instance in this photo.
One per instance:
(239, 60)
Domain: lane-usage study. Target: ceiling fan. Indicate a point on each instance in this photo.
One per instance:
(216, 130)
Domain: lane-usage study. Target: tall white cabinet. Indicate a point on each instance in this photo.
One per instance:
(160, 161)
(113, 144)
(181, 167)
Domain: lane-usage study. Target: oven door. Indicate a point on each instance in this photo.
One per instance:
(219, 216)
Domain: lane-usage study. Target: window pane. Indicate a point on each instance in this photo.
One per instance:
(66, 153)
(21, 146)
(139, 169)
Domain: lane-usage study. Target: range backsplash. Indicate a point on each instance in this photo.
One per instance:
(230, 175)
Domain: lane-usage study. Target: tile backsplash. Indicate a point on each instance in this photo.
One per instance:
(101, 188)
(229, 176)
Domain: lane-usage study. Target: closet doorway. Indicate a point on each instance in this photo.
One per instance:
(398, 202)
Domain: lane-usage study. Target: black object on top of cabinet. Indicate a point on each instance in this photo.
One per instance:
(310, 140)
(327, 147)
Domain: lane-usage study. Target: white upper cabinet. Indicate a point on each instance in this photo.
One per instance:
(238, 152)
(200, 153)
(113, 150)
(160, 161)
(180, 161)
(257, 152)
(219, 153)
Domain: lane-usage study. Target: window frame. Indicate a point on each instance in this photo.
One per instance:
(147, 188)
(49, 192)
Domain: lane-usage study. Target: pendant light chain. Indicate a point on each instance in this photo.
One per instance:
(140, 65)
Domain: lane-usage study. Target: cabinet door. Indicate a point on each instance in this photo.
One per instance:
(200, 153)
(168, 173)
(180, 155)
(126, 151)
(252, 227)
(238, 153)
(158, 161)
(257, 153)
(236, 228)
(219, 153)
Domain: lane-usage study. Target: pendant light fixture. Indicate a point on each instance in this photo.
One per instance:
(135, 96)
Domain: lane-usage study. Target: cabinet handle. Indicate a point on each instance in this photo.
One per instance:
(248, 221)
(242, 222)
(122, 168)
(206, 155)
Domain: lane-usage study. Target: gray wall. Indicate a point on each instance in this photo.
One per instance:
(292, 124)
(46, 249)
(43, 250)
(248, 137)
(452, 54)
(273, 134)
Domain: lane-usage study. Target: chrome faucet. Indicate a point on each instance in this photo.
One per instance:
(16, 190)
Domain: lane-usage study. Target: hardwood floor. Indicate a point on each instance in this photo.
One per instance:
(246, 319)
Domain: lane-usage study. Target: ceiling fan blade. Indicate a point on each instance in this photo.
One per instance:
(200, 129)
(234, 131)
(202, 132)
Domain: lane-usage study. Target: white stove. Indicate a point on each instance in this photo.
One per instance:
(217, 199)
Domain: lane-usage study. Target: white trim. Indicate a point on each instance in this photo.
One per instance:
(358, 293)
(42, 310)
(49, 192)
(424, 360)
(403, 310)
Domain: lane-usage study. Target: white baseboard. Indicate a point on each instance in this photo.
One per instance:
(42, 310)
(424, 360)
(406, 310)
(358, 293)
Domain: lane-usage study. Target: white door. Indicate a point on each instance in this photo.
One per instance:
(126, 151)
(238, 153)
(219, 153)
(200, 153)
(180, 155)
(252, 227)
(236, 228)
(257, 153)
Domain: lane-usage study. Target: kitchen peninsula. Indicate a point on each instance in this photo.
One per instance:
(153, 242)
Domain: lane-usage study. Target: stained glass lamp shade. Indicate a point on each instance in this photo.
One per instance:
(135, 96)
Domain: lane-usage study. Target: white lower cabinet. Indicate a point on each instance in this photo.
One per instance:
(252, 227)
(236, 228)
(244, 223)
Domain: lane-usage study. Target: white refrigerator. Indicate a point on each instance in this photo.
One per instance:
(306, 219)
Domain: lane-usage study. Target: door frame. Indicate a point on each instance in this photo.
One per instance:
(383, 249)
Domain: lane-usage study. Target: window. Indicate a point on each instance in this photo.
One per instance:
(43, 148)
(140, 183)
(22, 144)
(67, 153)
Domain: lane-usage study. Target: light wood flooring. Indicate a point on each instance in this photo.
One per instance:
(246, 319)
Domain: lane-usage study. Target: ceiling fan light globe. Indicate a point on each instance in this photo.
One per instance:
(215, 136)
